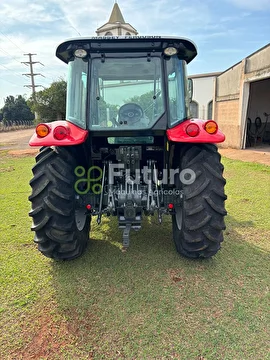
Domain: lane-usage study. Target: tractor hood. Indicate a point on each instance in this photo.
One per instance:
(186, 49)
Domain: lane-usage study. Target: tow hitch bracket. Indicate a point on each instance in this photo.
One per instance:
(126, 233)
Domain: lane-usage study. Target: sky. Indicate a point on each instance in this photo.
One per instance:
(225, 32)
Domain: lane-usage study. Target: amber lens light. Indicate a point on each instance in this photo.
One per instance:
(42, 130)
(60, 132)
(211, 127)
(192, 130)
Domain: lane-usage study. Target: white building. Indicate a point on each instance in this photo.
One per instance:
(203, 91)
(116, 26)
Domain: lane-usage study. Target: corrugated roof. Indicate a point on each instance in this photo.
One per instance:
(116, 15)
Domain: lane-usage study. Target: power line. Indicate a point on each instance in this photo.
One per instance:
(48, 77)
(6, 52)
(10, 70)
(75, 29)
(9, 81)
(11, 41)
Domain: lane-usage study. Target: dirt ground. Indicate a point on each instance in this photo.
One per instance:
(260, 154)
(16, 142)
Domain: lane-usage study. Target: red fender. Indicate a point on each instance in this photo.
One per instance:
(179, 133)
(75, 135)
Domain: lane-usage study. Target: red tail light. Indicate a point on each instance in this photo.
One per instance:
(192, 130)
(60, 132)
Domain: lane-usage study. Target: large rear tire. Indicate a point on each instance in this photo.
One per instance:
(61, 232)
(198, 222)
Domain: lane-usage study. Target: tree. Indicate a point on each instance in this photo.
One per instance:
(148, 102)
(50, 104)
(16, 110)
(104, 107)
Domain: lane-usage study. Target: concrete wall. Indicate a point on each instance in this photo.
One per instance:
(226, 115)
(258, 60)
(226, 106)
(228, 83)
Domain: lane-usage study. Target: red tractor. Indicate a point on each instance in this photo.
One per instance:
(128, 147)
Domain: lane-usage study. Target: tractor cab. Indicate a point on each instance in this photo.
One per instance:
(120, 84)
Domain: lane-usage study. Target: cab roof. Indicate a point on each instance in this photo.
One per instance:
(133, 44)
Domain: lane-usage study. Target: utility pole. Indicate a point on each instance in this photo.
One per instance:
(32, 74)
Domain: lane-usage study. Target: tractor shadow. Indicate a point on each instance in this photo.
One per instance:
(232, 222)
(107, 293)
(104, 269)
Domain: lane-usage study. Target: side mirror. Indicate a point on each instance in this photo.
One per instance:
(190, 89)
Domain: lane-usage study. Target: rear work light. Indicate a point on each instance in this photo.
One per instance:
(170, 51)
(211, 127)
(60, 132)
(80, 53)
(192, 130)
(42, 130)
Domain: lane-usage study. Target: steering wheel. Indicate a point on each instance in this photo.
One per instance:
(130, 114)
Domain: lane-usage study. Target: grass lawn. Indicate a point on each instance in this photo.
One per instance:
(148, 303)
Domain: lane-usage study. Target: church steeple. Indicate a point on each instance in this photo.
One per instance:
(116, 26)
(116, 15)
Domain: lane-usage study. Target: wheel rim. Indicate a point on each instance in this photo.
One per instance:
(179, 207)
(80, 218)
(179, 217)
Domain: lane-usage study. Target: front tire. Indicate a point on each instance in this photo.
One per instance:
(60, 232)
(198, 222)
